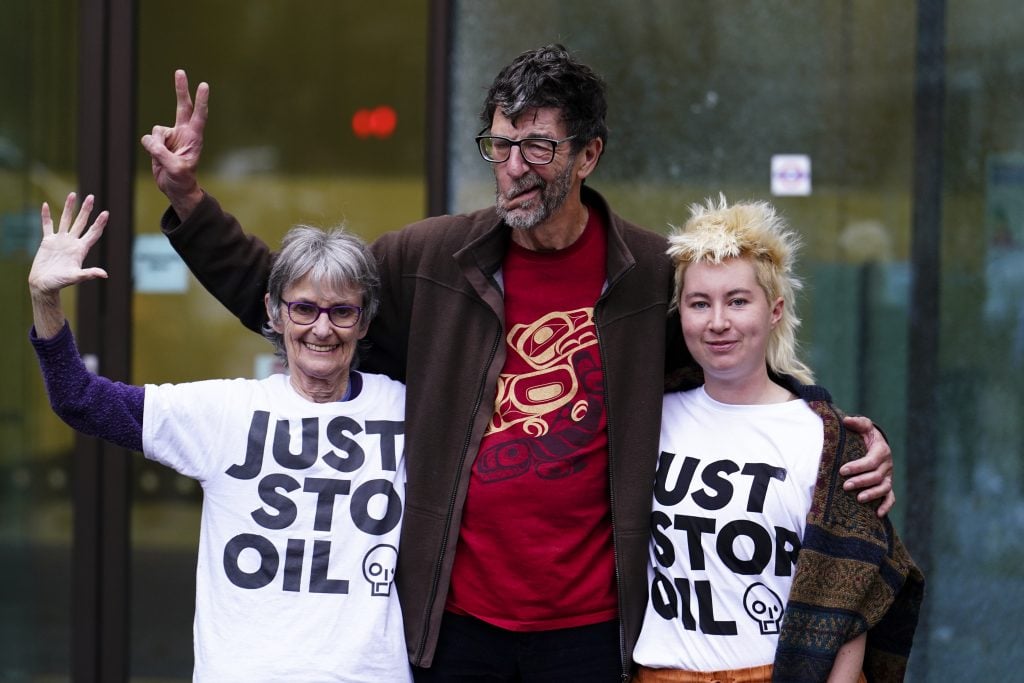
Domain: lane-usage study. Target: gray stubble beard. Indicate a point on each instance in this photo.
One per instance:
(552, 196)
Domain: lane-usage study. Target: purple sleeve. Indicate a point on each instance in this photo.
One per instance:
(93, 405)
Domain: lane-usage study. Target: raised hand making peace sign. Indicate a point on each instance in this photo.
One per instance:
(175, 151)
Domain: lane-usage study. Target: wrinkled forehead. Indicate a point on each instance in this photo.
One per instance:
(313, 286)
(531, 122)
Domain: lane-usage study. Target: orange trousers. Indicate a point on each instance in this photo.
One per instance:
(754, 674)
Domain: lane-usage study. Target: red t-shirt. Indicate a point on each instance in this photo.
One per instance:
(535, 544)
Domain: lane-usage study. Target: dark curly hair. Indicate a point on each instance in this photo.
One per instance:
(550, 77)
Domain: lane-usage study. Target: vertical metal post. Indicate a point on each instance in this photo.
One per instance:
(922, 376)
(438, 95)
(106, 147)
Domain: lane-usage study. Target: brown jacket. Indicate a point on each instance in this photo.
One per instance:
(441, 330)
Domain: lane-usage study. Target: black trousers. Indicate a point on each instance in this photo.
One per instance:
(471, 650)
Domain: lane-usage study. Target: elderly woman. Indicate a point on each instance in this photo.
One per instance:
(761, 566)
(303, 474)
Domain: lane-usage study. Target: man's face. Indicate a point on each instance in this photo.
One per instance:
(528, 195)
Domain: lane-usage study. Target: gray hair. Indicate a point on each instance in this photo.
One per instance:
(335, 259)
(550, 77)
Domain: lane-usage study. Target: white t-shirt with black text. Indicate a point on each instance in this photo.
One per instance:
(732, 492)
(302, 509)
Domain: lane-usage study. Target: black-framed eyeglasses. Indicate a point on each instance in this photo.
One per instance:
(305, 313)
(536, 151)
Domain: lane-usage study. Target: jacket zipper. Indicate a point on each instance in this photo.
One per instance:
(624, 670)
(451, 506)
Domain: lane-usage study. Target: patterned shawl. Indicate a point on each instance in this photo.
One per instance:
(853, 574)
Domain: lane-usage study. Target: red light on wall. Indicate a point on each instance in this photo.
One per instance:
(379, 122)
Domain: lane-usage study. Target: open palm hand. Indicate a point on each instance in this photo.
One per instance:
(58, 262)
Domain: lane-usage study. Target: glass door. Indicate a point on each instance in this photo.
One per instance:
(38, 43)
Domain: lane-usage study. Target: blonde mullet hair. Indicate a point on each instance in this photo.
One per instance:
(754, 231)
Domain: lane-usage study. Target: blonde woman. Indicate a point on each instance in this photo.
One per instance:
(761, 566)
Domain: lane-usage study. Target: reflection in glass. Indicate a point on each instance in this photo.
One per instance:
(37, 142)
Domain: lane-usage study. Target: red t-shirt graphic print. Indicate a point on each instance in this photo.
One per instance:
(551, 409)
(535, 546)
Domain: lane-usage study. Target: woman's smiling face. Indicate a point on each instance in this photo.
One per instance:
(727, 320)
(320, 354)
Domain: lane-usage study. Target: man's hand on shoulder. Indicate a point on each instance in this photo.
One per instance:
(872, 474)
